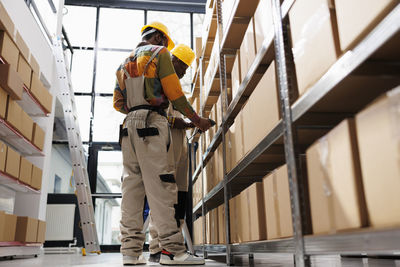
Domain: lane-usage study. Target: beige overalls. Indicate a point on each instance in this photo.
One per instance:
(148, 170)
(181, 176)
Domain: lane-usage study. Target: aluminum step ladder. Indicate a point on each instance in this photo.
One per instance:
(83, 193)
(185, 232)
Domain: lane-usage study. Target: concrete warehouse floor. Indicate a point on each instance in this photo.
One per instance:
(115, 259)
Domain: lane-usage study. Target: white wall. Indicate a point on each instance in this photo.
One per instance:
(26, 25)
(63, 169)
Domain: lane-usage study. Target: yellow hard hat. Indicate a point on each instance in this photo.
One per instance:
(161, 27)
(184, 53)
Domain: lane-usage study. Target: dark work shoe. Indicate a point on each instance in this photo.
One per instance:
(184, 258)
(155, 257)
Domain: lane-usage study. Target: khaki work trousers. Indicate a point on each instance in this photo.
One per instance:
(148, 165)
(181, 177)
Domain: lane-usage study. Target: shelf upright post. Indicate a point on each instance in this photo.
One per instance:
(201, 144)
(288, 133)
(224, 107)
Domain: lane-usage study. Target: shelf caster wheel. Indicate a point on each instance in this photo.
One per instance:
(83, 252)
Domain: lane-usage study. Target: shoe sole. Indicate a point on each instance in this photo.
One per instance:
(172, 262)
(134, 263)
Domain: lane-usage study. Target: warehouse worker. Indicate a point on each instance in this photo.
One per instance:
(182, 58)
(146, 82)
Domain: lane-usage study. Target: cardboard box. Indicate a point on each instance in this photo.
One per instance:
(197, 191)
(10, 81)
(247, 50)
(258, 230)
(244, 217)
(315, 40)
(198, 47)
(34, 64)
(8, 224)
(235, 142)
(378, 139)
(227, 8)
(38, 136)
(198, 231)
(221, 225)
(41, 232)
(8, 50)
(24, 71)
(262, 111)
(37, 174)
(236, 75)
(6, 23)
(26, 230)
(26, 125)
(23, 48)
(334, 181)
(12, 163)
(14, 114)
(41, 93)
(234, 221)
(3, 103)
(262, 22)
(3, 156)
(353, 26)
(277, 204)
(218, 164)
(213, 227)
(25, 171)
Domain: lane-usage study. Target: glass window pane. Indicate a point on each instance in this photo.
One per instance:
(120, 28)
(197, 25)
(106, 120)
(80, 25)
(109, 171)
(107, 64)
(61, 176)
(177, 23)
(107, 216)
(82, 70)
(83, 104)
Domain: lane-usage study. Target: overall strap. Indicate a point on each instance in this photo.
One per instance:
(151, 58)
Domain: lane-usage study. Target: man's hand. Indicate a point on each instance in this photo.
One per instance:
(204, 124)
(180, 123)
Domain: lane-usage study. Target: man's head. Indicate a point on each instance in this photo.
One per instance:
(182, 58)
(157, 33)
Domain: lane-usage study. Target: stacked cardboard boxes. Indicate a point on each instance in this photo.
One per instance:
(18, 167)
(22, 229)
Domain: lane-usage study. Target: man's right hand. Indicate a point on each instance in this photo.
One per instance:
(204, 124)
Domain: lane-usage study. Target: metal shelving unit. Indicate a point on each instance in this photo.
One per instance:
(306, 118)
(16, 185)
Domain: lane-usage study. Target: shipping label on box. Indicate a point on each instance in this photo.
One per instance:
(378, 136)
(12, 163)
(10, 81)
(334, 178)
(8, 50)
